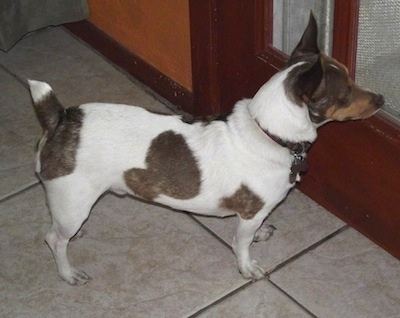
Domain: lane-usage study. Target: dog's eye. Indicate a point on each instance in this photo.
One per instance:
(341, 102)
(345, 95)
(345, 91)
(343, 98)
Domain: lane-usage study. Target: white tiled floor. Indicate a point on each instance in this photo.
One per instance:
(147, 261)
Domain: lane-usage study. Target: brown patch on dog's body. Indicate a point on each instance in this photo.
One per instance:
(49, 111)
(171, 170)
(244, 202)
(58, 154)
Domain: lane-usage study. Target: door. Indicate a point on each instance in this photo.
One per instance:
(354, 167)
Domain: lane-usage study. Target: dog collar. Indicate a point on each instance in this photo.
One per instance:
(298, 151)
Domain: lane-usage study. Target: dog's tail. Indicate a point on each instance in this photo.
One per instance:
(48, 109)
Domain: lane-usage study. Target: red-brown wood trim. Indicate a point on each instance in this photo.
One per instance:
(354, 166)
(354, 174)
(346, 33)
(204, 52)
(134, 65)
(263, 31)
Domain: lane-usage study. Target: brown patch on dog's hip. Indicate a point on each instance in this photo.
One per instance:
(171, 170)
(244, 202)
(58, 155)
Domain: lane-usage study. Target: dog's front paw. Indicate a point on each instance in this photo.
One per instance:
(75, 277)
(252, 270)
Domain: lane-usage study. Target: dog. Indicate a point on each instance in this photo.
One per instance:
(240, 164)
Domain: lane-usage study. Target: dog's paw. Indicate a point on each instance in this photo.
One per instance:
(76, 277)
(264, 232)
(252, 270)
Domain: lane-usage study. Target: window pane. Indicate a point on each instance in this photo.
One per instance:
(290, 20)
(378, 52)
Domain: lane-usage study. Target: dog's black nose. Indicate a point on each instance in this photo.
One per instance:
(380, 100)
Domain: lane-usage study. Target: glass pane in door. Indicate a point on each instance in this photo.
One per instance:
(378, 52)
(290, 20)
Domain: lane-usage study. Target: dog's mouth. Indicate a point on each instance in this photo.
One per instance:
(371, 113)
(363, 116)
(378, 103)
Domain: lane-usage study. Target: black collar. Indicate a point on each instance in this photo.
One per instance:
(297, 149)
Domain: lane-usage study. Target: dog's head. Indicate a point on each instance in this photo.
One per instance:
(324, 84)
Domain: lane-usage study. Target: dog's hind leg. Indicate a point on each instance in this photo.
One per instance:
(70, 206)
(245, 232)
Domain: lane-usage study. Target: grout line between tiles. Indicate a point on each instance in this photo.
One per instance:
(219, 300)
(14, 75)
(292, 299)
(18, 192)
(210, 232)
(308, 249)
(278, 267)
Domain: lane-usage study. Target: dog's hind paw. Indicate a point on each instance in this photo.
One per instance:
(76, 277)
(252, 271)
(264, 232)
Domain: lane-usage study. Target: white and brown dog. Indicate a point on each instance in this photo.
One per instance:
(243, 164)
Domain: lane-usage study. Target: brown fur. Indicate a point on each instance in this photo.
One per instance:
(49, 111)
(244, 202)
(171, 170)
(58, 154)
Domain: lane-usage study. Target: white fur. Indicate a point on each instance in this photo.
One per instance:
(39, 90)
(276, 113)
(115, 138)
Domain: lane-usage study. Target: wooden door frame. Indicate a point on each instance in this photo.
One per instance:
(345, 175)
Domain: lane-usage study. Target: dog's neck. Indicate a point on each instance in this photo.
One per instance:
(299, 148)
(277, 114)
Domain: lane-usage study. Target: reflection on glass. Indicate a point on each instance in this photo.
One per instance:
(378, 52)
(290, 20)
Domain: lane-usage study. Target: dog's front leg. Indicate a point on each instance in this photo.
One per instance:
(245, 232)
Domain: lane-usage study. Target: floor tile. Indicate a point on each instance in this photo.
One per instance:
(77, 74)
(145, 261)
(348, 276)
(300, 223)
(258, 300)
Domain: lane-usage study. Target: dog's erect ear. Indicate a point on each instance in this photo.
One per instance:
(309, 41)
(310, 81)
